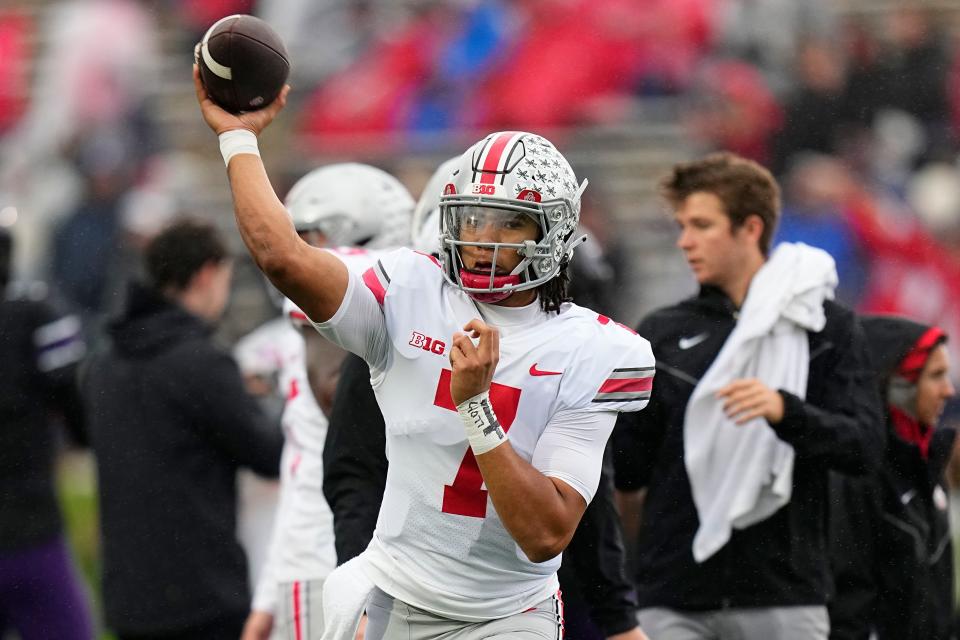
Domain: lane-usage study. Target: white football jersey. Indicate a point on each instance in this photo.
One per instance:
(439, 544)
(302, 543)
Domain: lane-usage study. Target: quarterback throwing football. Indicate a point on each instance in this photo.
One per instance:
(498, 395)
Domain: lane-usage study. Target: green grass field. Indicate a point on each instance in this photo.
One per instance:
(78, 499)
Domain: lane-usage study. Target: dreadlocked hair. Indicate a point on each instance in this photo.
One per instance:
(553, 293)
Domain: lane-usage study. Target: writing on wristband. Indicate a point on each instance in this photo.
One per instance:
(483, 429)
(237, 141)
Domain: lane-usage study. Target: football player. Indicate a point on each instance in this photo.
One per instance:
(498, 394)
(358, 211)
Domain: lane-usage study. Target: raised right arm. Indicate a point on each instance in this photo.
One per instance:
(315, 280)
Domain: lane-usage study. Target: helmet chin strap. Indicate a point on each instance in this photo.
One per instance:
(472, 280)
(528, 252)
(478, 281)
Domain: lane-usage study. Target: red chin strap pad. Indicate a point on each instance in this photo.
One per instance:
(479, 281)
(490, 298)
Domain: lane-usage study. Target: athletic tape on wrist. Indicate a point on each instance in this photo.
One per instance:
(483, 429)
(237, 141)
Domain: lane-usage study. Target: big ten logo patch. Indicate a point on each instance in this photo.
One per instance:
(427, 343)
(485, 189)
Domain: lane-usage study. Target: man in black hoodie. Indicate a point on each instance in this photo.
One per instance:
(891, 553)
(170, 423)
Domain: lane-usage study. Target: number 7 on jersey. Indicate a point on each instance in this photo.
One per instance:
(466, 496)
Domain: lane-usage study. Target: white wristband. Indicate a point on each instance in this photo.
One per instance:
(237, 141)
(483, 429)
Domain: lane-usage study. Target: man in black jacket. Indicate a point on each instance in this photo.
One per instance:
(40, 593)
(769, 578)
(890, 543)
(170, 423)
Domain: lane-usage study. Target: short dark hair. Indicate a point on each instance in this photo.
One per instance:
(6, 259)
(180, 250)
(744, 187)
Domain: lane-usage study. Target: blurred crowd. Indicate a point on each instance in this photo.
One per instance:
(855, 108)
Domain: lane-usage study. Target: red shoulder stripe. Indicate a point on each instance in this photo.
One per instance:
(623, 385)
(373, 283)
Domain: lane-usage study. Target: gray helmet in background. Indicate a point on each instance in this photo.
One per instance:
(352, 204)
(425, 232)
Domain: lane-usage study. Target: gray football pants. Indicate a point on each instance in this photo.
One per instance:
(771, 623)
(299, 613)
(391, 619)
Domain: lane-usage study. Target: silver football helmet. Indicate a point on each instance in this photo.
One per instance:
(426, 214)
(514, 172)
(352, 205)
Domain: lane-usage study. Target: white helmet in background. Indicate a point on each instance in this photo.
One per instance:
(425, 234)
(517, 172)
(352, 204)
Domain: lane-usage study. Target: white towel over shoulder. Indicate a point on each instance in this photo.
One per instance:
(742, 475)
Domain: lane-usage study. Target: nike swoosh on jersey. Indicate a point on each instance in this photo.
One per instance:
(538, 372)
(686, 343)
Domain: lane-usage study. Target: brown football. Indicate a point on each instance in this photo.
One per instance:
(243, 63)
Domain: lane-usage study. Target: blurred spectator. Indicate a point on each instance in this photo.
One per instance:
(900, 88)
(40, 594)
(170, 423)
(898, 142)
(813, 214)
(16, 29)
(953, 91)
(731, 108)
(325, 36)
(818, 111)
(913, 70)
(573, 54)
(85, 246)
(860, 51)
(911, 273)
(482, 36)
(890, 534)
(675, 37)
(376, 94)
(934, 194)
(462, 64)
(196, 16)
(768, 33)
(167, 186)
(101, 63)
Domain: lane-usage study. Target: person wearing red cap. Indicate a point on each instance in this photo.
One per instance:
(891, 554)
